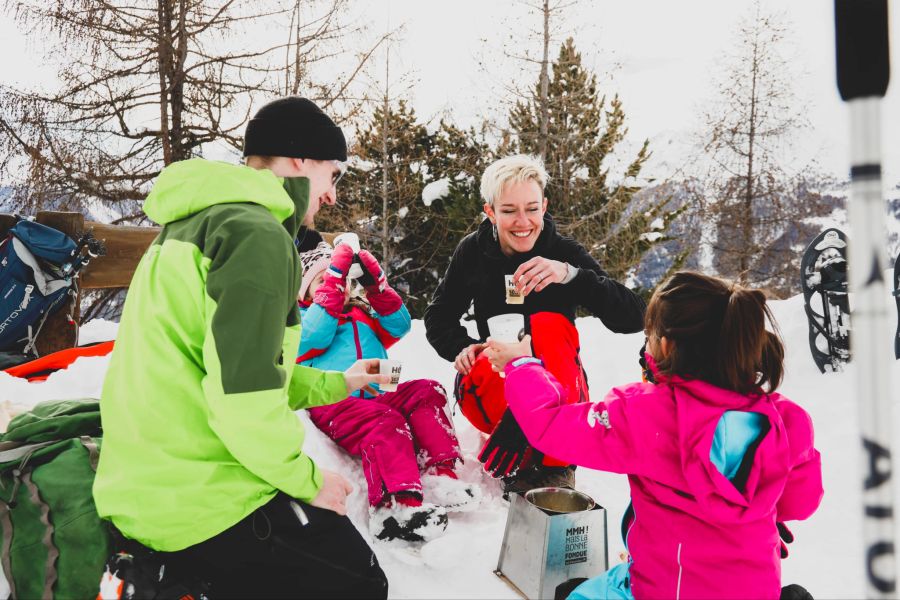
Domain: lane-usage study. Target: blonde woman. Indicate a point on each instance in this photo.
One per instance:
(555, 275)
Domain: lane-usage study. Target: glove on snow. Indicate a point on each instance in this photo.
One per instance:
(505, 449)
(330, 294)
(380, 295)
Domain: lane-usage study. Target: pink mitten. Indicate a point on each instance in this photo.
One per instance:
(330, 295)
(380, 295)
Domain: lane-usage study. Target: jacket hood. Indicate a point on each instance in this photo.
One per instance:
(187, 187)
(701, 410)
(491, 247)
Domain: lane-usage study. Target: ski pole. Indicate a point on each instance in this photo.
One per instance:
(863, 71)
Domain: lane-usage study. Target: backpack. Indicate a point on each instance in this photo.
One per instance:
(54, 544)
(38, 270)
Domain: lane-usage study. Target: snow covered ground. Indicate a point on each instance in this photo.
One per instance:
(827, 556)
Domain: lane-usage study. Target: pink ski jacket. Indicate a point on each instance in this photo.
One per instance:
(695, 533)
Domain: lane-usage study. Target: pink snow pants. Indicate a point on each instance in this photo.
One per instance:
(396, 434)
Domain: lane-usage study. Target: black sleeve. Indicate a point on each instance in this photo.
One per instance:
(620, 309)
(450, 301)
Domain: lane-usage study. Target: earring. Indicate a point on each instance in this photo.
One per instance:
(494, 231)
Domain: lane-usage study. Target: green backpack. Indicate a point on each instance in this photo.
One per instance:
(54, 545)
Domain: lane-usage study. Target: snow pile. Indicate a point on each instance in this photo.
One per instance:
(827, 556)
(435, 191)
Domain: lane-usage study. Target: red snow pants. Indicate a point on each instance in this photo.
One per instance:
(554, 340)
(396, 434)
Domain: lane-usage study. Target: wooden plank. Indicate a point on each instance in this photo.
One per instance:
(125, 245)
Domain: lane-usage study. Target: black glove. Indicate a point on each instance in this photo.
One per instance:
(505, 449)
(645, 370)
(786, 537)
(367, 279)
(795, 592)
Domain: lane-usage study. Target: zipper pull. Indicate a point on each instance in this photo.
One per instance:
(27, 298)
(301, 515)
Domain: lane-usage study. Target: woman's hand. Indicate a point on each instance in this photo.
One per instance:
(499, 353)
(362, 374)
(535, 274)
(466, 358)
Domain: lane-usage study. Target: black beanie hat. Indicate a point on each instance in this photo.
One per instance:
(294, 127)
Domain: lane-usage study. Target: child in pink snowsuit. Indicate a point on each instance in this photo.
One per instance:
(715, 461)
(406, 441)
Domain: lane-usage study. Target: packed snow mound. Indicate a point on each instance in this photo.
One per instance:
(827, 557)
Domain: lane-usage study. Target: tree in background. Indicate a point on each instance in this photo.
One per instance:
(754, 205)
(394, 158)
(144, 84)
(578, 135)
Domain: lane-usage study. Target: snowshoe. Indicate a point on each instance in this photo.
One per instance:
(896, 294)
(410, 523)
(823, 278)
(453, 494)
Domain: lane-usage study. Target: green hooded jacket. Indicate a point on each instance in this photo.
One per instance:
(197, 405)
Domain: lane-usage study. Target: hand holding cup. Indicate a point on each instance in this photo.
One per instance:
(506, 330)
(391, 368)
(500, 353)
(362, 374)
(537, 273)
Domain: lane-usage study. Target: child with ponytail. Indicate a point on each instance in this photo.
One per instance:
(716, 460)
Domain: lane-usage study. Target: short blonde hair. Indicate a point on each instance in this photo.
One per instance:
(518, 168)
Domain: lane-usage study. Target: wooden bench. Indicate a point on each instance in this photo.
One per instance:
(125, 244)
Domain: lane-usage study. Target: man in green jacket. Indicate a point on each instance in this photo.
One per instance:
(202, 452)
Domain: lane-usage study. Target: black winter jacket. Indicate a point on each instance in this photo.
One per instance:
(476, 273)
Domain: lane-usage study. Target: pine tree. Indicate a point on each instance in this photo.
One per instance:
(420, 238)
(583, 130)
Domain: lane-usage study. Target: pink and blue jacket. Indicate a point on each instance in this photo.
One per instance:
(711, 472)
(334, 344)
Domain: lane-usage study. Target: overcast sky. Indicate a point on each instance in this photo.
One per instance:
(656, 54)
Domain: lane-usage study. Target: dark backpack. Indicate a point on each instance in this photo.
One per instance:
(54, 544)
(38, 270)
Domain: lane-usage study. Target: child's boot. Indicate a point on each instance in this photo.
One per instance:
(404, 516)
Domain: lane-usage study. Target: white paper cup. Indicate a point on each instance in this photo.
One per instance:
(352, 240)
(507, 328)
(513, 296)
(387, 366)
